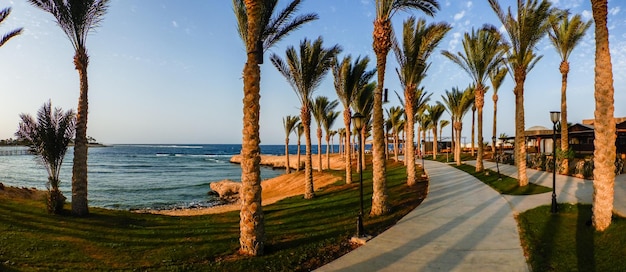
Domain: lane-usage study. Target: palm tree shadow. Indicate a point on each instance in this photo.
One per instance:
(585, 239)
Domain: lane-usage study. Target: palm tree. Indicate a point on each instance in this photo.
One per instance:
(496, 77)
(442, 124)
(350, 77)
(77, 18)
(49, 137)
(394, 115)
(482, 53)
(342, 142)
(299, 130)
(435, 112)
(3, 15)
(604, 151)
(525, 29)
(289, 123)
(304, 72)
(364, 104)
(259, 30)
(457, 104)
(419, 40)
(331, 134)
(320, 108)
(565, 35)
(385, 9)
(327, 123)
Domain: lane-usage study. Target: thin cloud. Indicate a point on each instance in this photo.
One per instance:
(459, 15)
(175, 24)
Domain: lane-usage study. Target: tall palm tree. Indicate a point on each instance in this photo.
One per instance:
(525, 29)
(289, 123)
(419, 40)
(299, 131)
(327, 122)
(457, 104)
(565, 35)
(435, 112)
(496, 77)
(304, 72)
(342, 143)
(473, 127)
(350, 77)
(260, 28)
(6, 37)
(385, 9)
(331, 134)
(442, 124)
(394, 115)
(77, 18)
(364, 104)
(49, 137)
(320, 108)
(482, 53)
(604, 151)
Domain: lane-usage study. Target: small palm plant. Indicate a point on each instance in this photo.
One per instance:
(49, 137)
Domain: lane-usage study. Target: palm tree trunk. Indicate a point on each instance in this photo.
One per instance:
(382, 44)
(495, 116)
(473, 130)
(79, 170)
(362, 147)
(327, 151)
(480, 102)
(287, 168)
(435, 146)
(409, 156)
(564, 128)
(346, 147)
(299, 148)
(457, 147)
(319, 149)
(309, 191)
(520, 139)
(395, 146)
(604, 152)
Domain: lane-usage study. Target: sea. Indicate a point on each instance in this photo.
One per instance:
(130, 177)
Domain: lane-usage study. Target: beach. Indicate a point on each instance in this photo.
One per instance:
(274, 189)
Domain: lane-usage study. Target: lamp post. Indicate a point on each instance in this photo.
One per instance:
(357, 118)
(555, 116)
(494, 155)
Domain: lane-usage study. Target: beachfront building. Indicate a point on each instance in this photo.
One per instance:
(581, 136)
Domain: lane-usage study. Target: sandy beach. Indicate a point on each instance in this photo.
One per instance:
(274, 189)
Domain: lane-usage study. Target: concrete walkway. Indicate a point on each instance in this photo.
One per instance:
(568, 189)
(463, 225)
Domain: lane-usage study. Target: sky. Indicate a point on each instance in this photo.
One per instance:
(170, 72)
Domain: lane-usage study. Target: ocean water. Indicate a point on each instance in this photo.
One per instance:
(142, 176)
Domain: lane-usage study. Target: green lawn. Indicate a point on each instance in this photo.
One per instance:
(301, 234)
(566, 241)
(504, 184)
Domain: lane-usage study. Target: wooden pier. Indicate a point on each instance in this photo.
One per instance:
(14, 152)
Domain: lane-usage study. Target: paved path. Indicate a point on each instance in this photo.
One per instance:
(568, 189)
(463, 225)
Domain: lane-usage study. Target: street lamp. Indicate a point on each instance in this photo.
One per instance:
(554, 117)
(358, 119)
(494, 155)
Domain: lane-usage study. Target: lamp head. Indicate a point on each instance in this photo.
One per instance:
(358, 120)
(555, 116)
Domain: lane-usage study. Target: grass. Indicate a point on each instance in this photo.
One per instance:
(507, 186)
(566, 241)
(301, 234)
(449, 157)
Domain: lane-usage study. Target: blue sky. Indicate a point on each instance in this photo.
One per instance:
(165, 71)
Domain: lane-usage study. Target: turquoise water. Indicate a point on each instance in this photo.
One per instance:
(141, 176)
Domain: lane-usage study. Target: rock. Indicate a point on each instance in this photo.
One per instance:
(1, 186)
(226, 189)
